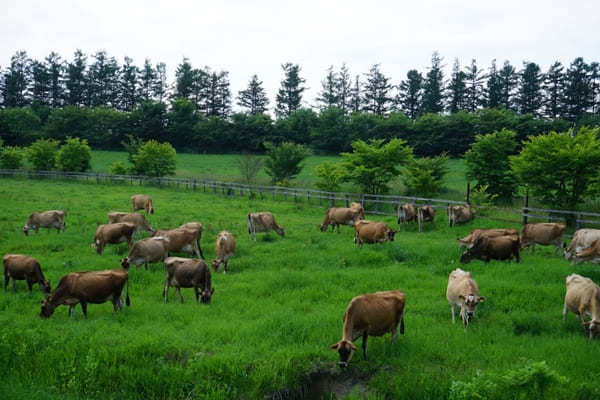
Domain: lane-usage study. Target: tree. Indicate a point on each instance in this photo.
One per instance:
(474, 92)
(331, 133)
(155, 159)
(17, 80)
(74, 155)
(41, 83)
(56, 90)
(128, 85)
(529, 98)
(42, 154)
(250, 131)
(560, 168)
(103, 81)
(508, 81)
(553, 87)
(149, 121)
(160, 87)
(254, 98)
(182, 119)
(493, 88)
(577, 90)
(433, 87)
(410, 94)
(249, 166)
(297, 127)
(457, 89)
(343, 89)
(184, 80)
(328, 96)
(218, 97)
(76, 80)
(425, 176)
(372, 164)
(289, 97)
(19, 126)
(355, 95)
(376, 92)
(330, 176)
(488, 162)
(594, 74)
(11, 157)
(147, 76)
(284, 162)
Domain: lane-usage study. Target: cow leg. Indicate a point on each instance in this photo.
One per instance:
(14, 285)
(197, 293)
(166, 291)
(6, 280)
(225, 266)
(84, 308)
(565, 312)
(71, 309)
(452, 310)
(200, 250)
(146, 266)
(178, 290)
(364, 345)
(29, 285)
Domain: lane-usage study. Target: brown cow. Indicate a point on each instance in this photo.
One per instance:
(181, 240)
(582, 239)
(21, 267)
(137, 219)
(592, 253)
(583, 298)
(425, 214)
(493, 248)
(460, 214)
(468, 241)
(372, 314)
(406, 213)
(113, 234)
(224, 250)
(546, 233)
(45, 219)
(142, 202)
(462, 291)
(188, 273)
(84, 287)
(372, 232)
(336, 216)
(149, 250)
(198, 227)
(263, 222)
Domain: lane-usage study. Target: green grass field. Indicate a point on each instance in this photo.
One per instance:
(274, 316)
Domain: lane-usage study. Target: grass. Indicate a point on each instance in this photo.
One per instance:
(274, 316)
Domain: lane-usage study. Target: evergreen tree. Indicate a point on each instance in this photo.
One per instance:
(40, 83)
(553, 86)
(376, 93)
(56, 70)
(577, 89)
(254, 98)
(77, 80)
(344, 90)
(530, 99)
(433, 87)
(147, 77)
(128, 83)
(355, 95)
(17, 81)
(457, 89)
(474, 95)
(160, 88)
(184, 80)
(328, 96)
(103, 81)
(201, 88)
(493, 87)
(410, 94)
(218, 101)
(508, 81)
(289, 97)
(595, 87)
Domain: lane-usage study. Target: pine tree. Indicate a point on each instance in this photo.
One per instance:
(56, 70)
(40, 83)
(594, 87)
(410, 94)
(344, 90)
(160, 88)
(184, 80)
(218, 101)
(289, 97)
(254, 98)
(553, 86)
(577, 89)
(147, 78)
(328, 96)
(103, 81)
(493, 87)
(474, 95)
(128, 85)
(433, 87)
(356, 95)
(17, 81)
(201, 88)
(457, 89)
(376, 93)
(508, 81)
(76, 81)
(529, 99)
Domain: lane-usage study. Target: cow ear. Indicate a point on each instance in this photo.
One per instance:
(352, 346)
(335, 346)
(482, 299)
(460, 296)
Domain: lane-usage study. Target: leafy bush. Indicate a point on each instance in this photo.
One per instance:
(74, 155)
(330, 175)
(425, 176)
(284, 161)
(480, 196)
(42, 154)
(11, 157)
(132, 145)
(249, 166)
(155, 159)
(118, 168)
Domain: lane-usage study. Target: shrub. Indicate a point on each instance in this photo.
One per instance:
(132, 145)
(425, 176)
(249, 166)
(42, 154)
(11, 157)
(330, 175)
(155, 159)
(74, 155)
(284, 161)
(118, 168)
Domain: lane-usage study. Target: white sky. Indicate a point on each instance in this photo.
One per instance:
(248, 37)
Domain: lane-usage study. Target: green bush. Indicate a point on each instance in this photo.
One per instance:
(132, 146)
(11, 157)
(249, 166)
(155, 159)
(330, 176)
(42, 154)
(284, 162)
(425, 176)
(74, 155)
(118, 168)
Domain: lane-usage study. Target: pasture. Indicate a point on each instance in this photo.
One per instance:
(274, 316)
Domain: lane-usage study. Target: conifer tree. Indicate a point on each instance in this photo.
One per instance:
(289, 96)
(254, 97)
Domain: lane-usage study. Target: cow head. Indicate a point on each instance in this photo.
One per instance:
(323, 227)
(206, 295)
(48, 307)
(45, 286)
(468, 307)
(26, 230)
(150, 209)
(97, 246)
(474, 251)
(346, 349)
(593, 326)
(216, 264)
(390, 235)
(125, 263)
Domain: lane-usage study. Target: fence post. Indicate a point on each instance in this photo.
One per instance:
(526, 209)
(468, 192)
(295, 195)
(347, 201)
(332, 199)
(377, 204)
(578, 222)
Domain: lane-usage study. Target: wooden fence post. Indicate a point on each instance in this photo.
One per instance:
(468, 192)
(526, 209)
(377, 204)
(578, 222)
(347, 201)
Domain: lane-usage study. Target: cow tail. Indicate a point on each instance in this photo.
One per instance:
(127, 301)
(402, 324)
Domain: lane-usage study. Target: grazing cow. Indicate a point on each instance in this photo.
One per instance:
(372, 314)
(188, 273)
(493, 248)
(181, 240)
(142, 202)
(146, 251)
(198, 227)
(94, 287)
(546, 233)
(469, 240)
(583, 298)
(406, 213)
(45, 219)
(263, 222)
(463, 292)
(224, 250)
(582, 239)
(372, 232)
(460, 214)
(113, 234)
(20, 267)
(336, 216)
(592, 253)
(425, 214)
(137, 219)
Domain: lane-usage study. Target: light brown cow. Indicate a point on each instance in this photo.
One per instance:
(188, 273)
(372, 232)
(198, 227)
(406, 213)
(583, 298)
(336, 216)
(142, 202)
(224, 250)
(462, 291)
(546, 233)
(137, 219)
(113, 234)
(45, 219)
(372, 314)
(582, 239)
(475, 234)
(20, 267)
(149, 250)
(263, 222)
(592, 253)
(181, 240)
(425, 214)
(460, 214)
(87, 287)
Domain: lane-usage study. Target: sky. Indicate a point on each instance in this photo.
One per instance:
(256, 37)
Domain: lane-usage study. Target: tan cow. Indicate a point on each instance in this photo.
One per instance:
(372, 314)
(592, 253)
(460, 214)
(149, 250)
(137, 219)
(583, 298)
(224, 250)
(546, 233)
(263, 222)
(406, 213)
(142, 202)
(493, 248)
(188, 273)
(113, 234)
(475, 234)
(425, 214)
(181, 240)
(372, 232)
(582, 239)
(20, 267)
(336, 216)
(462, 291)
(198, 227)
(45, 219)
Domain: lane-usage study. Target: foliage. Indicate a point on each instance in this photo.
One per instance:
(132, 146)
(425, 176)
(155, 159)
(284, 162)
(480, 196)
(10, 157)
(373, 164)
(289, 96)
(74, 155)
(42, 154)
(249, 166)
(330, 176)
(118, 168)
(19, 126)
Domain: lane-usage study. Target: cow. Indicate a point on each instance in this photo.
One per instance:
(198, 227)
(372, 314)
(181, 240)
(592, 253)
(188, 273)
(138, 219)
(583, 298)
(545, 233)
(113, 234)
(462, 291)
(147, 251)
(45, 219)
(425, 214)
(21, 267)
(358, 207)
(142, 202)
(493, 248)
(372, 232)
(263, 222)
(468, 241)
(582, 239)
(84, 287)
(406, 213)
(336, 216)
(460, 214)
(224, 250)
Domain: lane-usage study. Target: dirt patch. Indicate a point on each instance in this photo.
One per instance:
(327, 384)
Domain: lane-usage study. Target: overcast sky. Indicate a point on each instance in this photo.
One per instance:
(256, 37)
